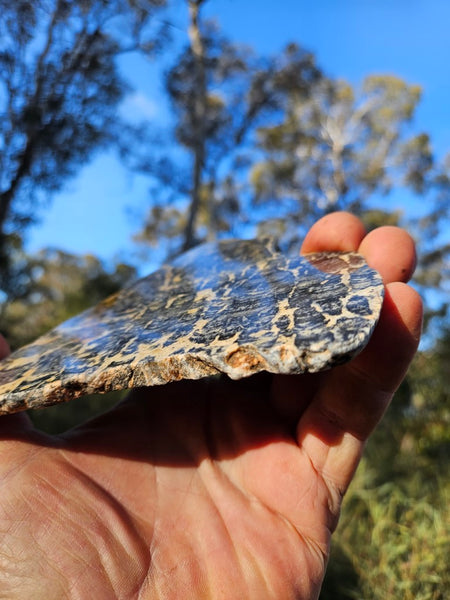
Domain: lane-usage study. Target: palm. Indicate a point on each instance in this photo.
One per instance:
(244, 492)
(195, 490)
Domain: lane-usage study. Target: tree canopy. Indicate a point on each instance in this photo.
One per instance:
(60, 87)
(58, 285)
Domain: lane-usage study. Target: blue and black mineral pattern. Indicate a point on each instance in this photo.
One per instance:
(235, 307)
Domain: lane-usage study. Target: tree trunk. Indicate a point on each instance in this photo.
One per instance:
(198, 51)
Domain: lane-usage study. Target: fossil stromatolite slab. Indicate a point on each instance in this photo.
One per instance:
(236, 307)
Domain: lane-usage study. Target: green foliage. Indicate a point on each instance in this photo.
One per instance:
(341, 146)
(393, 540)
(58, 286)
(429, 417)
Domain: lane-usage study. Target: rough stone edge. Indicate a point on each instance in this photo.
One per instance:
(240, 363)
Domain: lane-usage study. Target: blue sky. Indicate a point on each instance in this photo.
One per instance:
(98, 211)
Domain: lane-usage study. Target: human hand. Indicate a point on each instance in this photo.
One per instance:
(208, 489)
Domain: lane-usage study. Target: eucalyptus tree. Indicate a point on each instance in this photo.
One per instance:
(220, 93)
(60, 88)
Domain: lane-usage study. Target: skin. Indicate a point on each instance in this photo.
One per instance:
(206, 489)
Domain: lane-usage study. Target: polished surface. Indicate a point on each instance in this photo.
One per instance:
(235, 307)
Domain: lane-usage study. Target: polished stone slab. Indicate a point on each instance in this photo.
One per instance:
(235, 307)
